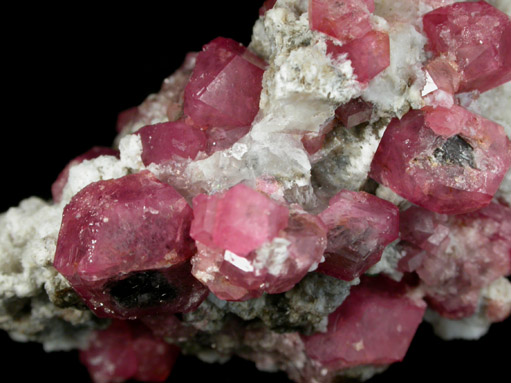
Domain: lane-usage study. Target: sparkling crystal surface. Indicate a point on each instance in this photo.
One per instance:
(477, 36)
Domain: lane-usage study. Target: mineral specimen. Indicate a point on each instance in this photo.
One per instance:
(302, 202)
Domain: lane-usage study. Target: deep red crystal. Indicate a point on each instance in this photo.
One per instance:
(478, 37)
(225, 86)
(124, 247)
(446, 160)
(360, 226)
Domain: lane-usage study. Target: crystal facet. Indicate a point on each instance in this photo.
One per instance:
(124, 247)
(446, 160)
(477, 36)
(360, 225)
(225, 85)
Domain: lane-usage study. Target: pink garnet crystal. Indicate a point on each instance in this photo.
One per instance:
(171, 141)
(225, 85)
(343, 20)
(477, 36)
(446, 160)
(60, 183)
(369, 54)
(360, 226)
(249, 244)
(373, 326)
(128, 350)
(124, 247)
(354, 112)
(456, 256)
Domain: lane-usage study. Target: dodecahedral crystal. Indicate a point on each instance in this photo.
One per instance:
(225, 85)
(128, 350)
(456, 256)
(446, 160)
(124, 247)
(374, 326)
(360, 225)
(477, 36)
(249, 244)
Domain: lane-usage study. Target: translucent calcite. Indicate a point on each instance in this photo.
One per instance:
(456, 256)
(249, 244)
(477, 36)
(360, 226)
(124, 247)
(128, 350)
(225, 85)
(374, 326)
(446, 160)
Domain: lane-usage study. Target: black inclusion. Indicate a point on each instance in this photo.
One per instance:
(455, 151)
(142, 289)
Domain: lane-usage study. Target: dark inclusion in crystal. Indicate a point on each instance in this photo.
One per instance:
(455, 151)
(142, 289)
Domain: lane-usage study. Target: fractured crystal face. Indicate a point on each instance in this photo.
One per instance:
(360, 225)
(446, 160)
(124, 247)
(477, 36)
(225, 85)
(456, 256)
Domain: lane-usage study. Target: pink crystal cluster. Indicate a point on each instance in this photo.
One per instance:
(136, 250)
(348, 24)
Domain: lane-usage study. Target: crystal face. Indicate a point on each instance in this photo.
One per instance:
(225, 85)
(303, 201)
(249, 244)
(477, 36)
(374, 326)
(124, 247)
(360, 226)
(449, 161)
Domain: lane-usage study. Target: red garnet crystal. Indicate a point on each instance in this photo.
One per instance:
(225, 85)
(446, 160)
(373, 326)
(128, 350)
(249, 244)
(360, 225)
(456, 256)
(343, 20)
(124, 247)
(369, 54)
(477, 36)
(171, 141)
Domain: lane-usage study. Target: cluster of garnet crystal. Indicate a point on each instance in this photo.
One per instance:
(134, 248)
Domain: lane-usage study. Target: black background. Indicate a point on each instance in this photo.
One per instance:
(67, 73)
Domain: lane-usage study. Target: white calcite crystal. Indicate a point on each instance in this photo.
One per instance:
(304, 84)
